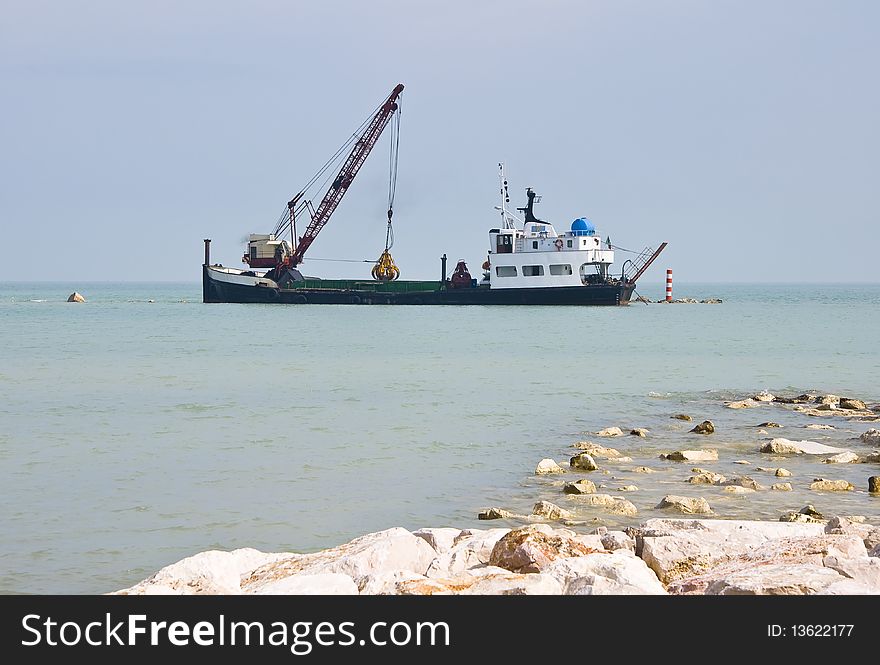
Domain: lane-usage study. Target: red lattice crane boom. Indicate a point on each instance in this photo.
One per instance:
(343, 180)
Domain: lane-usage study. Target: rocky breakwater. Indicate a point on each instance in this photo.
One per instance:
(662, 556)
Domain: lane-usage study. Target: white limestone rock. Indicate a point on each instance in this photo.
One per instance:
(322, 584)
(782, 446)
(441, 539)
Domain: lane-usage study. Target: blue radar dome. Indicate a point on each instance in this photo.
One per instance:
(583, 227)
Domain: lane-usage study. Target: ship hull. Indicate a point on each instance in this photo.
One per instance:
(216, 290)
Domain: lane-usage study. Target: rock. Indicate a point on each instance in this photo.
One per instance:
(853, 404)
(841, 458)
(551, 511)
(494, 514)
(441, 539)
(874, 484)
(688, 505)
(595, 450)
(769, 424)
(824, 485)
(872, 457)
(782, 473)
(678, 548)
(692, 456)
(707, 478)
(639, 431)
(603, 574)
(705, 427)
(583, 486)
(742, 481)
(681, 416)
(546, 466)
(75, 297)
(743, 404)
(531, 548)
(211, 572)
(800, 399)
(872, 436)
(736, 489)
(863, 571)
(819, 426)
(826, 407)
(584, 462)
(840, 524)
(793, 516)
(776, 580)
(711, 301)
(829, 399)
(610, 431)
(627, 488)
(472, 547)
(741, 461)
(401, 583)
(510, 584)
(788, 447)
(617, 540)
(390, 550)
(623, 459)
(782, 487)
(763, 396)
(610, 503)
(643, 469)
(322, 584)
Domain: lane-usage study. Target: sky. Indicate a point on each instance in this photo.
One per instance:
(745, 134)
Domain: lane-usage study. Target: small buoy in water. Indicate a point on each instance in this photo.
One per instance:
(75, 297)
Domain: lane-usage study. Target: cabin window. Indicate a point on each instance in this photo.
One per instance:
(253, 252)
(560, 269)
(569, 244)
(533, 271)
(505, 271)
(534, 244)
(504, 244)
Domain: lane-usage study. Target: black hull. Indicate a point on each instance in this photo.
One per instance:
(215, 291)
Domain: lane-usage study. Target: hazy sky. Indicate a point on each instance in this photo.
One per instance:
(743, 133)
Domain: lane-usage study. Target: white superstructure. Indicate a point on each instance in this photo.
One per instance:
(530, 253)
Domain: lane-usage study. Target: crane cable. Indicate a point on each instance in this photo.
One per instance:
(385, 270)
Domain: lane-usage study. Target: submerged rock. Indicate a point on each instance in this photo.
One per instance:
(612, 504)
(853, 404)
(692, 456)
(684, 504)
(738, 489)
(874, 484)
(788, 447)
(705, 427)
(781, 487)
(596, 450)
(742, 404)
(742, 481)
(584, 462)
(842, 458)
(494, 514)
(763, 396)
(627, 488)
(583, 486)
(551, 511)
(610, 431)
(819, 426)
(707, 478)
(782, 473)
(769, 424)
(546, 466)
(825, 485)
(872, 436)
(639, 431)
(643, 469)
(681, 416)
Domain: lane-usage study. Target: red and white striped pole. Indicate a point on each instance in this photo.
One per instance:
(669, 285)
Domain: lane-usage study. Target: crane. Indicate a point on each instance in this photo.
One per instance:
(362, 143)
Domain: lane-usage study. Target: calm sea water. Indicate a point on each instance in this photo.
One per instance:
(144, 426)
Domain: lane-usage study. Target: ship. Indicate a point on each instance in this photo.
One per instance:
(528, 262)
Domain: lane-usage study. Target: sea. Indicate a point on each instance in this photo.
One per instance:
(143, 426)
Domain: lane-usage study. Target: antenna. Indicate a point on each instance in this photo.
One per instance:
(506, 218)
